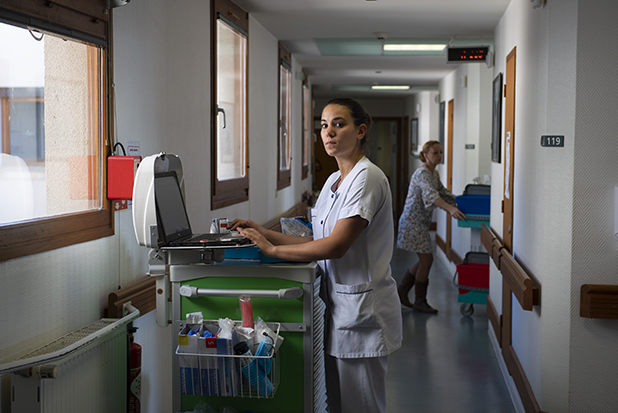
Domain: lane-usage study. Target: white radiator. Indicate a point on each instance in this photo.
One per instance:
(84, 371)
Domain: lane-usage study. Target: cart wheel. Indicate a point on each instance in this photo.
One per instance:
(467, 309)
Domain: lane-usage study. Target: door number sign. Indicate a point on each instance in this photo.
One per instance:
(552, 141)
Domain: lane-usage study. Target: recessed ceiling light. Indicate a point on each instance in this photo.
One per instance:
(390, 87)
(414, 47)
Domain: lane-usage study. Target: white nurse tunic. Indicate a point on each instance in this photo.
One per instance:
(363, 308)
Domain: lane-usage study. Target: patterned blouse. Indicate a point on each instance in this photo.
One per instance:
(425, 188)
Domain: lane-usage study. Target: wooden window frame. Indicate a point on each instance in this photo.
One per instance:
(88, 21)
(307, 129)
(230, 191)
(284, 176)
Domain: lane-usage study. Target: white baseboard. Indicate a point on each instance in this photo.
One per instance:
(510, 384)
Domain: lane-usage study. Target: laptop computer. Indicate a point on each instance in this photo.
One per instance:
(173, 222)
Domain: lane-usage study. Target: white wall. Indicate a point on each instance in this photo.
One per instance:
(469, 86)
(428, 120)
(542, 188)
(563, 197)
(595, 175)
(162, 91)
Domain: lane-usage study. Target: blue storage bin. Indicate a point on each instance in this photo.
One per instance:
(249, 253)
(474, 204)
(473, 221)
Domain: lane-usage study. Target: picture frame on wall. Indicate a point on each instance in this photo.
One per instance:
(442, 114)
(442, 123)
(496, 119)
(414, 136)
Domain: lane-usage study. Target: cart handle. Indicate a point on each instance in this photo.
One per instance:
(282, 294)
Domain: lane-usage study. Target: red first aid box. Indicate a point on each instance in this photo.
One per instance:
(120, 176)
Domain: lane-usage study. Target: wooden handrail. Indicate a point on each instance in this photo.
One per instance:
(518, 280)
(141, 295)
(599, 301)
(298, 210)
(521, 284)
(492, 244)
(487, 238)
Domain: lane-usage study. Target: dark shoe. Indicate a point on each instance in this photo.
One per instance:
(403, 297)
(423, 307)
(404, 288)
(420, 303)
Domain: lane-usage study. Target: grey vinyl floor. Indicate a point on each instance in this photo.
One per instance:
(446, 363)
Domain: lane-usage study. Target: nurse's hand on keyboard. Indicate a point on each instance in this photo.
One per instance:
(239, 224)
(258, 239)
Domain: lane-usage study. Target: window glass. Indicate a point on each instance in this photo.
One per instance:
(284, 172)
(306, 130)
(229, 34)
(231, 102)
(284, 130)
(50, 122)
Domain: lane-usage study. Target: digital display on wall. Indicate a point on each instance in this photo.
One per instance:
(467, 54)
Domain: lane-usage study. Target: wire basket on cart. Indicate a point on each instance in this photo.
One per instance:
(231, 375)
(472, 280)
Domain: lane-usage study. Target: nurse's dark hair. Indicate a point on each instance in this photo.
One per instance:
(359, 114)
(426, 147)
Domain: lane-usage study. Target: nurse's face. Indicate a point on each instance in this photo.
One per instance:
(341, 138)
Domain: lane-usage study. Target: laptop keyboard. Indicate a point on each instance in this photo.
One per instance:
(212, 240)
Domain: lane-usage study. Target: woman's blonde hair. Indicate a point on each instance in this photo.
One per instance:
(426, 147)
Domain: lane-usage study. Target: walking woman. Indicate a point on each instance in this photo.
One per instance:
(425, 193)
(352, 241)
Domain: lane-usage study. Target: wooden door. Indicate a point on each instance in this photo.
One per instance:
(509, 160)
(324, 164)
(449, 171)
(403, 168)
(509, 149)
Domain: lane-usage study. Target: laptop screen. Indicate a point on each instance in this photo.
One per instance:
(171, 211)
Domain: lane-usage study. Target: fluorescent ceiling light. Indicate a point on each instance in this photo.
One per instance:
(414, 47)
(390, 87)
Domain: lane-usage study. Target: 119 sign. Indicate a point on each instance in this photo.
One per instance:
(552, 141)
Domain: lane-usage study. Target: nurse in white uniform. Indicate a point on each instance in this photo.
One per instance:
(353, 243)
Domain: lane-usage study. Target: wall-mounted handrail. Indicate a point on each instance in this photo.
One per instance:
(492, 244)
(521, 285)
(487, 238)
(142, 295)
(518, 280)
(599, 301)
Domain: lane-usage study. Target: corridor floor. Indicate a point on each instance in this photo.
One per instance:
(446, 363)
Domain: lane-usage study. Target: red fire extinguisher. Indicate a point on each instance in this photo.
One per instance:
(135, 373)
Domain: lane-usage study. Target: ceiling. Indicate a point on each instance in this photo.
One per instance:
(305, 25)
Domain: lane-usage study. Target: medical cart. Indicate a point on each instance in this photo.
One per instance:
(210, 280)
(472, 281)
(213, 290)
